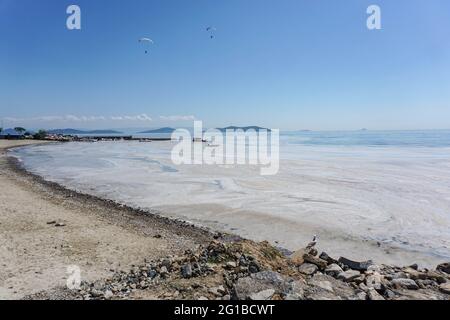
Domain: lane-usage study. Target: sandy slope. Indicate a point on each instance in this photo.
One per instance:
(34, 255)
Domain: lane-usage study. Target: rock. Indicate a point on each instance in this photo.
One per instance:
(202, 298)
(426, 283)
(254, 267)
(327, 258)
(405, 283)
(418, 275)
(297, 257)
(308, 268)
(51, 222)
(414, 266)
(360, 266)
(186, 271)
(166, 263)
(348, 275)
(218, 291)
(324, 287)
(60, 224)
(108, 294)
(230, 265)
(263, 295)
(374, 281)
(419, 295)
(436, 276)
(372, 294)
(396, 275)
(333, 270)
(374, 268)
(163, 271)
(322, 264)
(389, 294)
(296, 290)
(359, 279)
(445, 288)
(362, 295)
(444, 267)
(151, 274)
(257, 282)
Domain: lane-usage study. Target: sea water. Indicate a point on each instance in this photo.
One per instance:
(366, 194)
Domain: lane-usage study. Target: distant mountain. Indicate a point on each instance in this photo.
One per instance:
(160, 130)
(75, 131)
(256, 128)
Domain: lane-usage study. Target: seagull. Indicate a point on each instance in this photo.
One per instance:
(313, 242)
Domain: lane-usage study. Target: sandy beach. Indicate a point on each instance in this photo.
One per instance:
(97, 236)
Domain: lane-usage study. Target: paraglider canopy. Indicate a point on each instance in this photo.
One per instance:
(146, 42)
(211, 30)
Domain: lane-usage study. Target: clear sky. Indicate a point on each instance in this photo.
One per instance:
(288, 64)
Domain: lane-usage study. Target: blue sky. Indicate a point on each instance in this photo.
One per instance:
(288, 64)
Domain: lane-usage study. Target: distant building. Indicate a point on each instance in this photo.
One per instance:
(11, 134)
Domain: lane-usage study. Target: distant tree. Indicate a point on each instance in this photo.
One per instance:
(40, 135)
(20, 130)
(1, 129)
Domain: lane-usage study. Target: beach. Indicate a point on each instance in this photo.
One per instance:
(126, 253)
(97, 236)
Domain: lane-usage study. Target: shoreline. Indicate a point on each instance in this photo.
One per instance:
(179, 236)
(98, 235)
(252, 225)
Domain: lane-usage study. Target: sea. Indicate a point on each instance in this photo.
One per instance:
(381, 195)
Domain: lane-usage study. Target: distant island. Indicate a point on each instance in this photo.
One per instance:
(160, 130)
(75, 131)
(256, 128)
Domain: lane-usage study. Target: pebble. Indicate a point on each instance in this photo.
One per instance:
(186, 271)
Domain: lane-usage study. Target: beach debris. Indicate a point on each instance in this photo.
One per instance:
(60, 224)
(51, 222)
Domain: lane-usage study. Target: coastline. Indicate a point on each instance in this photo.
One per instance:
(98, 235)
(138, 236)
